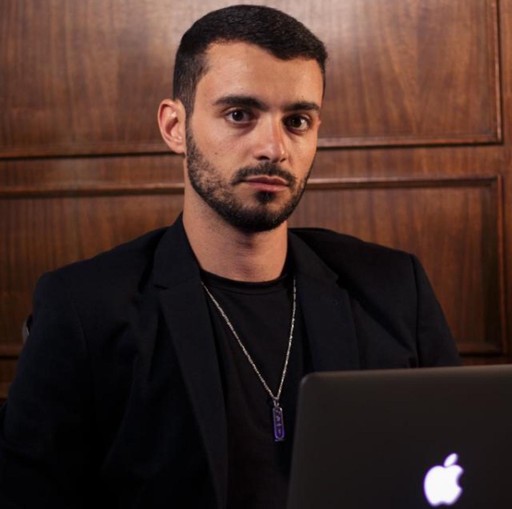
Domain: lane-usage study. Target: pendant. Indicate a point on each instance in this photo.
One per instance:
(278, 422)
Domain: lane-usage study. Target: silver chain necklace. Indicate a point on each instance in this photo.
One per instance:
(277, 411)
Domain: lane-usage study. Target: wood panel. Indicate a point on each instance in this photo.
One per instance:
(96, 71)
(438, 220)
(415, 150)
(412, 72)
(506, 85)
(401, 72)
(83, 77)
(52, 231)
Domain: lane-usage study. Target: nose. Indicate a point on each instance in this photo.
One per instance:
(271, 143)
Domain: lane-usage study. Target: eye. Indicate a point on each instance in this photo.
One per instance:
(298, 123)
(239, 116)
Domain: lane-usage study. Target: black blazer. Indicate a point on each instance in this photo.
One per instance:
(117, 401)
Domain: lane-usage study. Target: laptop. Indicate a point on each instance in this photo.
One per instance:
(404, 439)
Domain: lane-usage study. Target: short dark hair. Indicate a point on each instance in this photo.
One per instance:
(270, 29)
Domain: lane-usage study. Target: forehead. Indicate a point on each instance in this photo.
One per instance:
(246, 69)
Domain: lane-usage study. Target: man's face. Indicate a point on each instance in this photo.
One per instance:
(251, 139)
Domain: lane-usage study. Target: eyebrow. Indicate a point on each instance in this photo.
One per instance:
(251, 102)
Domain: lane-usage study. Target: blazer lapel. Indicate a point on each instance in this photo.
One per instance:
(326, 310)
(327, 316)
(177, 275)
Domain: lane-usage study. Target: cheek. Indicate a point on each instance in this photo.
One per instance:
(215, 144)
(227, 152)
(305, 159)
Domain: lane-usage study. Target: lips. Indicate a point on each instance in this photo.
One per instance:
(266, 184)
(264, 179)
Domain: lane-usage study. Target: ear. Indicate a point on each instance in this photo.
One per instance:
(171, 120)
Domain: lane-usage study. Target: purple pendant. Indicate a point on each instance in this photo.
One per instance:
(278, 422)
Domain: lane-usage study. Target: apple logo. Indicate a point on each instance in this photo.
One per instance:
(441, 482)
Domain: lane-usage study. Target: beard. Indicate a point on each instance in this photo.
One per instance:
(219, 195)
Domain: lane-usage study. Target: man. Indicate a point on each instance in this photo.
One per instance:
(165, 372)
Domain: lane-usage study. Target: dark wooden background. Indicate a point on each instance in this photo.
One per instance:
(414, 152)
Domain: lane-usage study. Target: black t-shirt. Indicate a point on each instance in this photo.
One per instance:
(258, 467)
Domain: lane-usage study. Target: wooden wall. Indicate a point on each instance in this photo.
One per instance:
(414, 150)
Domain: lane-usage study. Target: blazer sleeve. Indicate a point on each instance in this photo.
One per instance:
(435, 343)
(45, 446)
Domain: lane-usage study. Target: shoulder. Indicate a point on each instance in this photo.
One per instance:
(343, 252)
(131, 254)
(119, 270)
(393, 304)
(371, 273)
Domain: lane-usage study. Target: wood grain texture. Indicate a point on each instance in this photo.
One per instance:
(53, 231)
(415, 147)
(412, 72)
(86, 77)
(82, 77)
(453, 225)
(506, 81)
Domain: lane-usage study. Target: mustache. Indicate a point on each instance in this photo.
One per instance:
(267, 169)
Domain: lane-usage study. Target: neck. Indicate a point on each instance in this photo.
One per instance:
(228, 252)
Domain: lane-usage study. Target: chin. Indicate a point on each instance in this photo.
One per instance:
(257, 221)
